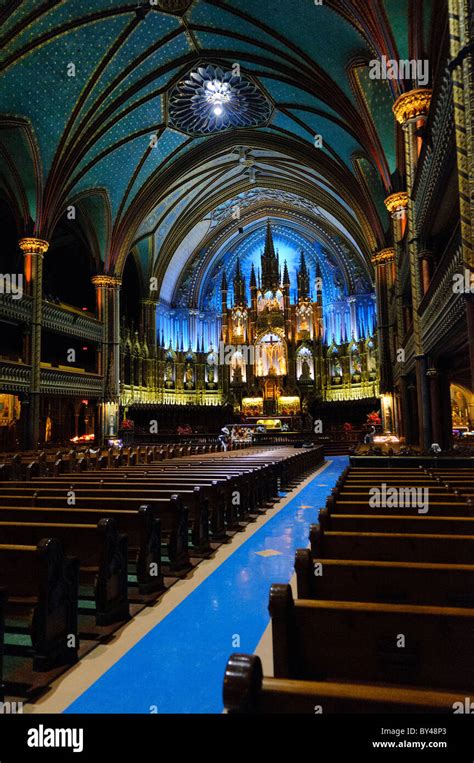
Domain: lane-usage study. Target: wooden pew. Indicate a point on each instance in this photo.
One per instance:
(396, 523)
(102, 553)
(441, 585)
(246, 690)
(357, 641)
(44, 494)
(207, 498)
(142, 528)
(392, 547)
(444, 508)
(170, 510)
(42, 587)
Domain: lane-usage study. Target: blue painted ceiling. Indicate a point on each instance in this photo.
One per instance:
(84, 112)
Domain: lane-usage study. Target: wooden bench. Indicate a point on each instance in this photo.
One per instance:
(442, 585)
(355, 641)
(205, 498)
(42, 588)
(42, 494)
(246, 690)
(142, 528)
(444, 508)
(102, 553)
(392, 547)
(169, 509)
(396, 523)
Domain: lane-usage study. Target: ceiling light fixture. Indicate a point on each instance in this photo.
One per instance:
(217, 94)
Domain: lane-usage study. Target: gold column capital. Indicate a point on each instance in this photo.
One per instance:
(412, 105)
(31, 245)
(108, 282)
(384, 257)
(396, 201)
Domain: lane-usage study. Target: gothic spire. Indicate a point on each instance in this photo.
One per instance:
(319, 283)
(239, 285)
(253, 281)
(269, 245)
(270, 264)
(303, 278)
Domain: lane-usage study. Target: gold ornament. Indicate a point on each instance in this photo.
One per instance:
(396, 201)
(32, 245)
(412, 105)
(383, 257)
(109, 282)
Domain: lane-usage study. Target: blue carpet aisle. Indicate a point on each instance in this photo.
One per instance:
(178, 667)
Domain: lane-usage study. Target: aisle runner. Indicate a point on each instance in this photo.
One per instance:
(178, 667)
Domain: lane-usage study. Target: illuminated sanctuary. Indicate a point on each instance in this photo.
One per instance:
(269, 335)
(226, 215)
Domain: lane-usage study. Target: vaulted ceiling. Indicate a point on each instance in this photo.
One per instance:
(85, 117)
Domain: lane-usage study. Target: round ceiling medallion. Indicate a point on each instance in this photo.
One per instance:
(210, 99)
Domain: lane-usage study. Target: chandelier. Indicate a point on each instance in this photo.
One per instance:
(210, 99)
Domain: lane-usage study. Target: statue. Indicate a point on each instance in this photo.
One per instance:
(305, 371)
(189, 376)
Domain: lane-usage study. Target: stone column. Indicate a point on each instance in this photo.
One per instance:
(397, 207)
(462, 72)
(426, 259)
(108, 310)
(411, 111)
(148, 321)
(383, 264)
(413, 412)
(34, 250)
(406, 422)
(354, 327)
(436, 413)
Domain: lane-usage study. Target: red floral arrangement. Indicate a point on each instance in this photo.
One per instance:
(347, 427)
(128, 424)
(374, 419)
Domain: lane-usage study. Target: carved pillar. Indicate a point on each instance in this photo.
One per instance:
(426, 259)
(397, 207)
(148, 322)
(462, 68)
(413, 412)
(354, 327)
(436, 413)
(411, 111)
(406, 422)
(34, 250)
(383, 264)
(108, 310)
